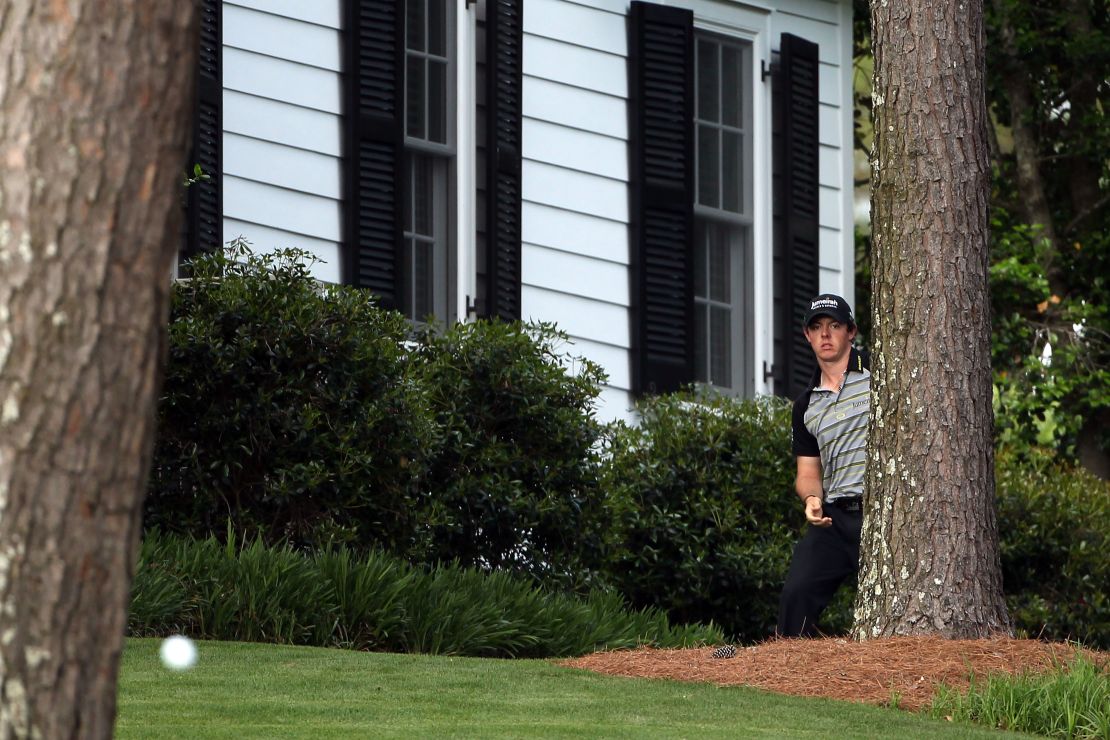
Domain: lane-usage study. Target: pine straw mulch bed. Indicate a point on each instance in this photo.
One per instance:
(874, 671)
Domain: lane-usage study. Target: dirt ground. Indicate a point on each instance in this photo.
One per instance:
(875, 672)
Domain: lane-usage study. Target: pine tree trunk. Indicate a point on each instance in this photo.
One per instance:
(94, 101)
(929, 557)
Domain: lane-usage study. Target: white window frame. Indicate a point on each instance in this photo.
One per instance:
(455, 281)
(751, 24)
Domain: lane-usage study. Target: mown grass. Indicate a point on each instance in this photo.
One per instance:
(1073, 701)
(250, 690)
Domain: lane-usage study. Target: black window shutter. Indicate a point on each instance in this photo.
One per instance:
(797, 208)
(373, 146)
(504, 69)
(661, 115)
(204, 202)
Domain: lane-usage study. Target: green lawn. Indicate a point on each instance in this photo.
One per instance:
(248, 690)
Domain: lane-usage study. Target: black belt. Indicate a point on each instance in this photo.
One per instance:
(847, 503)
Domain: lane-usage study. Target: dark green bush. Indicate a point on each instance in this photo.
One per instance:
(1054, 521)
(225, 591)
(703, 487)
(287, 408)
(512, 482)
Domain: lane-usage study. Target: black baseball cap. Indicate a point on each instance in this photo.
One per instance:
(828, 304)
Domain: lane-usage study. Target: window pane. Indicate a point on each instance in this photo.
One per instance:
(732, 87)
(437, 101)
(414, 21)
(423, 278)
(701, 262)
(732, 186)
(701, 343)
(708, 160)
(720, 352)
(708, 81)
(437, 27)
(720, 274)
(422, 196)
(414, 98)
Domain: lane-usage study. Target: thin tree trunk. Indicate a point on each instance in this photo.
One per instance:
(1084, 169)
(1034, 199)
(929, 556)
(94, 101)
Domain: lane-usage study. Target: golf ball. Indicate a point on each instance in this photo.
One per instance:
(178, 653)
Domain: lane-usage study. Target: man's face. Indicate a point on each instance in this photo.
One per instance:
(830, 339)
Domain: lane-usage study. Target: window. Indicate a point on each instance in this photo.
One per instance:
(723, 213)
(429, 155)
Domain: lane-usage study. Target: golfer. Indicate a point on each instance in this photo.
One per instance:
(830, 450)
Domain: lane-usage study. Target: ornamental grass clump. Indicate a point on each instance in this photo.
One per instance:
(1072, 701)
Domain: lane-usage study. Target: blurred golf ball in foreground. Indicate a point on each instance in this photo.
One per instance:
(178, 653)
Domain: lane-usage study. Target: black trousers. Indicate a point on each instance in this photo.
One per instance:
(823, 559)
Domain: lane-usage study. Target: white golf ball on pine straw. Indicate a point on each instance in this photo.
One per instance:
(178, 653)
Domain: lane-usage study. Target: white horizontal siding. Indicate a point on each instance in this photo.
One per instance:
(569, 231)
(831, 166)
(614, 359)
(574, 191)
(321, 12)
(829, 124)
(578, 316)
(576, 149)
(265, 239)
(575, 65)
(592, 278)
(576, 107)
(287, 210)
(825, 35)
(279, 79)
(282, 123)
(281, 37)
(578, 25)
(282, 127)
(615, 404)
(831, 200)
(292, 169)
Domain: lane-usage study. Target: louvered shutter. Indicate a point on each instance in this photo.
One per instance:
(504, 60)
(373, 156)
(204, 201)
(661, 105)
(797, 166)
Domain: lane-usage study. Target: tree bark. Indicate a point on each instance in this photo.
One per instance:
(929, 557)
(94, 101)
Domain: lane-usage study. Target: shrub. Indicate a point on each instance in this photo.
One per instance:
(1054, 521)
(703, 487)
(286, 409)
(512, 482)
(377, 601)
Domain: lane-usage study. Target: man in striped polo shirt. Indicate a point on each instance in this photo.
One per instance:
(830, 450)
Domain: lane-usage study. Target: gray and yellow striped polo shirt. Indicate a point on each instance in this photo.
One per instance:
(833, 426)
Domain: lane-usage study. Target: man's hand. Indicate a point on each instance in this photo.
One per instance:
(815, 514)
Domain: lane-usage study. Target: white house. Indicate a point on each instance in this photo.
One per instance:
(668, 182)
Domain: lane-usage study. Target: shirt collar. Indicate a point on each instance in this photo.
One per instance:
(856, 364)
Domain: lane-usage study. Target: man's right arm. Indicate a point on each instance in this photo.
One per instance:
(807, 484)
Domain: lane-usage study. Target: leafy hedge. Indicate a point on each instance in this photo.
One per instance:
(287, 408)
(213, 590)
(705, 514)
(512, 481)
(1054, 521)
(305, 414)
